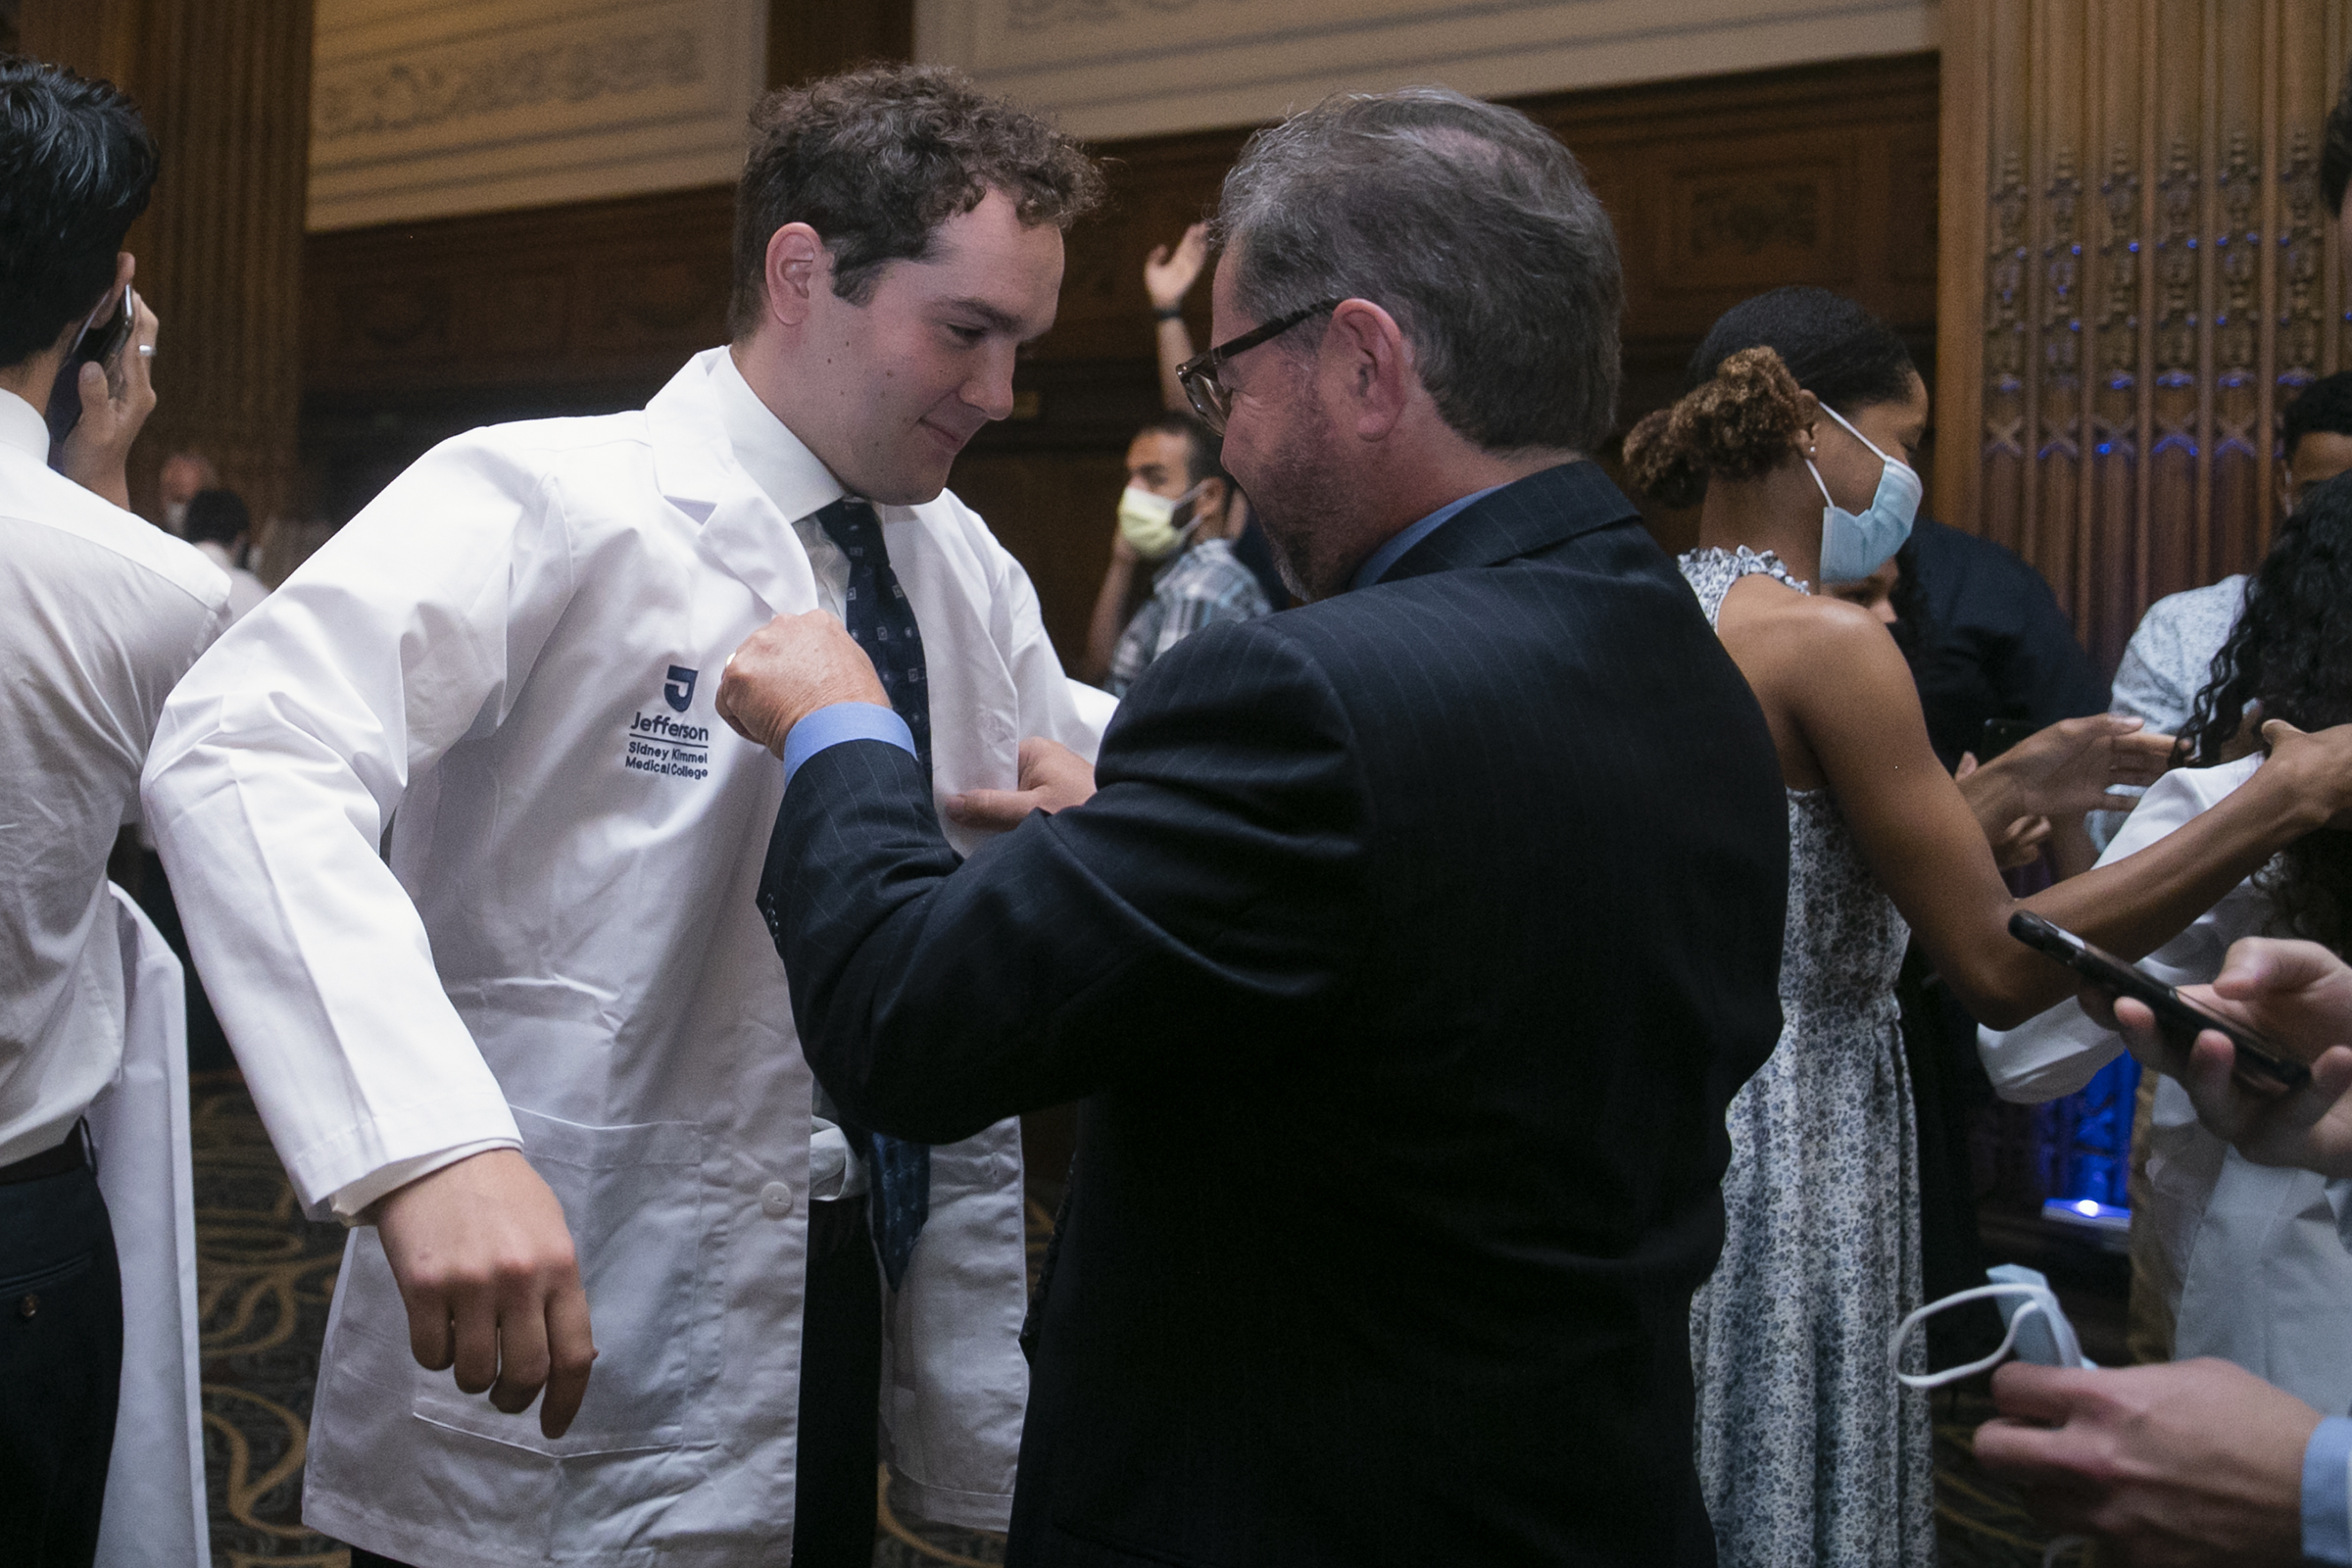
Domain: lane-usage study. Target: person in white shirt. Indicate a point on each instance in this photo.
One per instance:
(546, 1057)
(2251, 1261)
(2170, 657)
(100, 613)
(218, 525)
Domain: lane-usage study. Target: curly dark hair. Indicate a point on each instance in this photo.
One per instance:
(1740, 423)
(2291, 652)
(876, 159)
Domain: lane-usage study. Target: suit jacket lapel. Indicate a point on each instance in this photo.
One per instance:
(1544, 509)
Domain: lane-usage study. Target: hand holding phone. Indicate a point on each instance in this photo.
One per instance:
(100, 343)
(110, 407)
(2295, 992)
(2262, 1063)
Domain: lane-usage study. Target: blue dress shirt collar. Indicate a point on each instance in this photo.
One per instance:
(1387, 555)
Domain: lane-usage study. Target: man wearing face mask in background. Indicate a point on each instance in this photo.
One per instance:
(1178, 514)
(183, 476)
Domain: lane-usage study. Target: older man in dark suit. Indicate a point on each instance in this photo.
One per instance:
(1404, 952)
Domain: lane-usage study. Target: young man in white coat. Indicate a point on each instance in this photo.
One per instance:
(544, 1060)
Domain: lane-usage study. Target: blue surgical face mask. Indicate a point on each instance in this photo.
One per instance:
(1853, 547)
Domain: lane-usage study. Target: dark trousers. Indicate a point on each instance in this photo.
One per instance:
(208, 1046)
(61, 1366)
(841, 1389)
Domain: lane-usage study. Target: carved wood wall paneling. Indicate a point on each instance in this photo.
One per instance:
(225, 86)
(2119, 331)
(1719, 189)
(605, 292)
(2138, 277)
(807, 38)
(1727, 186)
(1157, 186)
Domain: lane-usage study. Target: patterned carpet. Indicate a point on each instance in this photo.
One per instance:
(264, 1276)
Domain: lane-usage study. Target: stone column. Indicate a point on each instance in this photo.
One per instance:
(2136, 272)
(224, 85)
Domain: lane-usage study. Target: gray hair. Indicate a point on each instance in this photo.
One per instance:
(1466, 221)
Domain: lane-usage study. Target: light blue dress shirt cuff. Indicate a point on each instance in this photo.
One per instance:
(2327, 1493)
(843, 721)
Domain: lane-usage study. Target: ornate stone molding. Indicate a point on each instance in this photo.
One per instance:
(1141, 68)
(435, 108)
(377, 98)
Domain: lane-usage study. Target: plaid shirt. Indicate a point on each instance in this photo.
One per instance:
(1200, 587)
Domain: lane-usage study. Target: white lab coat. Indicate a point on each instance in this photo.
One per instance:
(155, 1499)
(2260, 1253)
(516, 647)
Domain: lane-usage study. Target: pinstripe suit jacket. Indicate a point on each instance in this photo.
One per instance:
(1404, 964)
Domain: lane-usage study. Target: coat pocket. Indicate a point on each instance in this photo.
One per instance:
(634, 1198)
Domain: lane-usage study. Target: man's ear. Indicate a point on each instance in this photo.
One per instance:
(1214, 504)
(1366, 350)
(798, 266)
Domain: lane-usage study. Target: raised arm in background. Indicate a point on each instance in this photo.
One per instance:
(1168, 276)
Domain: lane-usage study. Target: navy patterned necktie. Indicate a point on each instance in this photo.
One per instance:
(879, 617)
(882, 622)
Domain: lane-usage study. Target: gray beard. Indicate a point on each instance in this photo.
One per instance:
(1304, 503)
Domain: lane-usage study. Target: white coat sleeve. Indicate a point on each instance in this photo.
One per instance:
(280, 759)
(2059, 1051)
(1049, 707)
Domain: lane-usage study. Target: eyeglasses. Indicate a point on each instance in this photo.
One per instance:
(1198, 374)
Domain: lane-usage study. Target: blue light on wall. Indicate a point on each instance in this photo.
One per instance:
(2083, 1143)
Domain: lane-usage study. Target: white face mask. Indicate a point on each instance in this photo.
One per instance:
(2039, 1331)
(1147, 521)
(1853, 547)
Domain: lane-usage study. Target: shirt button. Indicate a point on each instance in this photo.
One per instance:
(775, 1200)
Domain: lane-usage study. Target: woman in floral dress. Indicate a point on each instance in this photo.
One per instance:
(1803, 410)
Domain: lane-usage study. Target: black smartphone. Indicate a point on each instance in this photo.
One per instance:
(2261, 1063)
(2002, 733)
(100, 343)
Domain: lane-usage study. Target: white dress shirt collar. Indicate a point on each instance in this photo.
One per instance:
(777, 461)
(24, 427)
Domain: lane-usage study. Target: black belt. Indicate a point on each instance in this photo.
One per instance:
(69, 1156)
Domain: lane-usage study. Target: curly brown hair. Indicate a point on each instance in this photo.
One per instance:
(1739, 423)
(876, 159)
